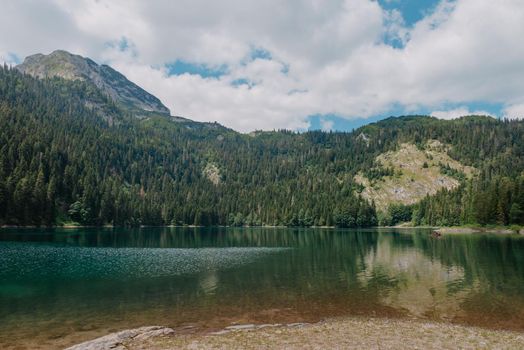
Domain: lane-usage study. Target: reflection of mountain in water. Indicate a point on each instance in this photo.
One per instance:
(423, 286)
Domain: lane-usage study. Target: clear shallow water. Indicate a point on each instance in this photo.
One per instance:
(59, 287)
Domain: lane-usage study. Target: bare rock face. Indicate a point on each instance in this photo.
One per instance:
(116, 341)
(65, 65)
(212, 172)
(416, 174)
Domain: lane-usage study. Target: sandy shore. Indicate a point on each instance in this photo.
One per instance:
(349, 333)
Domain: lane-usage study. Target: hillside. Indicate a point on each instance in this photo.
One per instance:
(62, 160)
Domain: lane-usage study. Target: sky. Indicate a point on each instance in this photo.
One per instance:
(300, 65)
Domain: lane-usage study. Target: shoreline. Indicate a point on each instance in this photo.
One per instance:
(350, 332)
(443, 230)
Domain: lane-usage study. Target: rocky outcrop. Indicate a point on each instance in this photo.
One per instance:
(415, 173)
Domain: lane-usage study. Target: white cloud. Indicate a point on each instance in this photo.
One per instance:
(327, 57)
(326, 124)
(515, 111)
(457, 113)
(7, 58)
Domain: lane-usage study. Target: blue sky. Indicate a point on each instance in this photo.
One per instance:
(264, 65)
(412, 10)
(180, 67)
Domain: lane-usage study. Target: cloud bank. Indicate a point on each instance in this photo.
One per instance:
(456, 113)
(276, 63)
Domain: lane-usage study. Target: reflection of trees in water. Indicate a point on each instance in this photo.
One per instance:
(491, 286)
(497, 261)
(326, 272)
(186, 237)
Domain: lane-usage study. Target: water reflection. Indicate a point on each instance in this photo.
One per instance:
(76, 284)
(209, 282)
(422, 286)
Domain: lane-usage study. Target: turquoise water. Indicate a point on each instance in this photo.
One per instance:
(59, 287)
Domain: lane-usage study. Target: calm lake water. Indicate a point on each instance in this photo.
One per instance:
(60, 287)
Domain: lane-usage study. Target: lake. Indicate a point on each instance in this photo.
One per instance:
(63, 286)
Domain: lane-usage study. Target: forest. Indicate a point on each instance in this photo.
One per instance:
(69, 154)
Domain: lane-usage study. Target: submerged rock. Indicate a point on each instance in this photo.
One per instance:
(116, 340)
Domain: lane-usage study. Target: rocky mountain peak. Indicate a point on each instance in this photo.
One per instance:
(68, 66)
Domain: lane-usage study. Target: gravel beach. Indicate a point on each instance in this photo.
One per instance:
(349, 333)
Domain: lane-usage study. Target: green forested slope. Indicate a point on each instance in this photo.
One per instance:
(496, 148)
(63, 157)
(59, 158)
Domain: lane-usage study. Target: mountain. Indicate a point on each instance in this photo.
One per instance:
(60, 162)
(65, 65)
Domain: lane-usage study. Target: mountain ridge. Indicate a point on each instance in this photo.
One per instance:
(69, 66)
